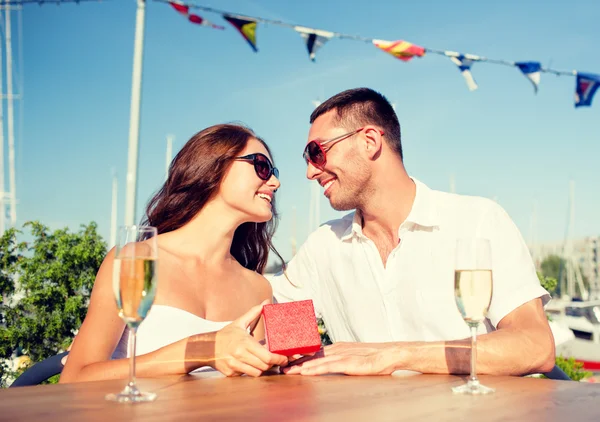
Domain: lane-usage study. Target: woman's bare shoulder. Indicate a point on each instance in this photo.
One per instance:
(259, 283)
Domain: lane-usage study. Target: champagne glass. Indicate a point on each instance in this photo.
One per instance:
(134, 286)
(473, 294)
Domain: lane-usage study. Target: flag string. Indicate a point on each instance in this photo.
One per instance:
(340, 35)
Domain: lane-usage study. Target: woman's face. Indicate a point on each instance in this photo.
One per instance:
(244, 190)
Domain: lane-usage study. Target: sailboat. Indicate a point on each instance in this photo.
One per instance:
(575, 314)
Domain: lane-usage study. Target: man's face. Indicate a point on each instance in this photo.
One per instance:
(345, 173)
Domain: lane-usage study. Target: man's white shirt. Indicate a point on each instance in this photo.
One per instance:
(412, 297)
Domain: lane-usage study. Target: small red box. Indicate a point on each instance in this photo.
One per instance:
(291, 328)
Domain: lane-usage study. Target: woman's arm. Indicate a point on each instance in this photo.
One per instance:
(101, 329)
(230, 350)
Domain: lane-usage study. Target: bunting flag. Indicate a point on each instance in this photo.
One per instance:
(181, 8)
(196, 19)
(585, 88)
(246, 27)
(464, 63)
(402, 50)
(586, 83)
(531, 70)
(314, 39)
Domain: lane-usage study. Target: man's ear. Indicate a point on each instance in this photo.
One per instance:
(374, 142)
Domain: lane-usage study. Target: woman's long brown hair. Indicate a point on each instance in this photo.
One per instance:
(194, 178)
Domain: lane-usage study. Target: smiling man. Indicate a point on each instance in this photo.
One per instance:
(382, 277)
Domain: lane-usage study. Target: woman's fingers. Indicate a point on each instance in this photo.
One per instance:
(248, 358)
(264, 355)
(243, 368)
(250, 318)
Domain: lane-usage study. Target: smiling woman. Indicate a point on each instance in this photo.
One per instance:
(195, 177)
(215, 216)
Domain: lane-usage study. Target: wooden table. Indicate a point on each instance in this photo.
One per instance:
(329, 398)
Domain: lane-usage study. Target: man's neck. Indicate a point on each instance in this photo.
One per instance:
(388, 207)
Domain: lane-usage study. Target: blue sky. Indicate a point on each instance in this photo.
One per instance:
(500, 141)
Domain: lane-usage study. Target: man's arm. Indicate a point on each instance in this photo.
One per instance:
(522, 344)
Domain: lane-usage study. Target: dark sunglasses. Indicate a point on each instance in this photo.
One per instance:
(262, 165)
(315, 151)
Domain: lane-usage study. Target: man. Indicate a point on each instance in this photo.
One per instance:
(382, 277)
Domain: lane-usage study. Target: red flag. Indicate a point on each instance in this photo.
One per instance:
(196, 19)
(181, 8)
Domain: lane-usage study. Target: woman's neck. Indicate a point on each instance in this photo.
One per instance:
(207, 237)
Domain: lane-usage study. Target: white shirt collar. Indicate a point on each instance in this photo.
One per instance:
(423, 213)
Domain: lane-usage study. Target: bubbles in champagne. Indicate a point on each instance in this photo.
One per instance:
(135, 287)
(473, 293)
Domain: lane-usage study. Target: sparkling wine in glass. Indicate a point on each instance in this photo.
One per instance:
(134, 285)
(473, 294)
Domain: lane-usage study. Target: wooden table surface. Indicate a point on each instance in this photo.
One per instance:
(298, 398)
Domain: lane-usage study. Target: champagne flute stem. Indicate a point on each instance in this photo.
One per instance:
(473, 378)
(132, 341)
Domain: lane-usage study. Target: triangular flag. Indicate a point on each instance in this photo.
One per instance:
(402, 50)
(464, 63)
(181, 8)
(314, 39)
(198, 20)
(585, 88)
(246, 27)
(532, 70)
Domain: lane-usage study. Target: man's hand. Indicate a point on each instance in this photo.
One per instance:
(237, 352)
(344, 358)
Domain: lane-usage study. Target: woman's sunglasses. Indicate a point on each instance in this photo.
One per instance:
(262, 165)
(315, 151)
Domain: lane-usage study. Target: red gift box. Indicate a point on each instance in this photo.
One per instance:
(291, 328)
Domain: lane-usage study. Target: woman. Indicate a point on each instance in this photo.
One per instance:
(215, 220)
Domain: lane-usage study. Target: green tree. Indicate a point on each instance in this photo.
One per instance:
(54, 273)
(9, 255)
(554, 266)
(551, 266)
(548, 282)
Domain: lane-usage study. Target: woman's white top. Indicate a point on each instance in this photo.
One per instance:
(165, 325)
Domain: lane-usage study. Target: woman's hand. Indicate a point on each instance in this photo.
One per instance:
(237, 352)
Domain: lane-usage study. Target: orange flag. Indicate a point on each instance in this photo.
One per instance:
(400, 49)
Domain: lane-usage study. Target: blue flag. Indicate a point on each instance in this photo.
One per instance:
(464, 63)
(532, 71)
(314, 39)
(585, 88)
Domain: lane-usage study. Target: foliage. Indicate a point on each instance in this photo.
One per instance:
(46, 284)
(52, 380)
(572, 368)
(325, 340)
(553, 266)
(9, 256)
(549, 283)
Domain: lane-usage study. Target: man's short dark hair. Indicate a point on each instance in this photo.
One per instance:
(363, 106)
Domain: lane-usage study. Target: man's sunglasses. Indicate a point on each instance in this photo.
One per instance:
(316, 151)
(262, 165)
